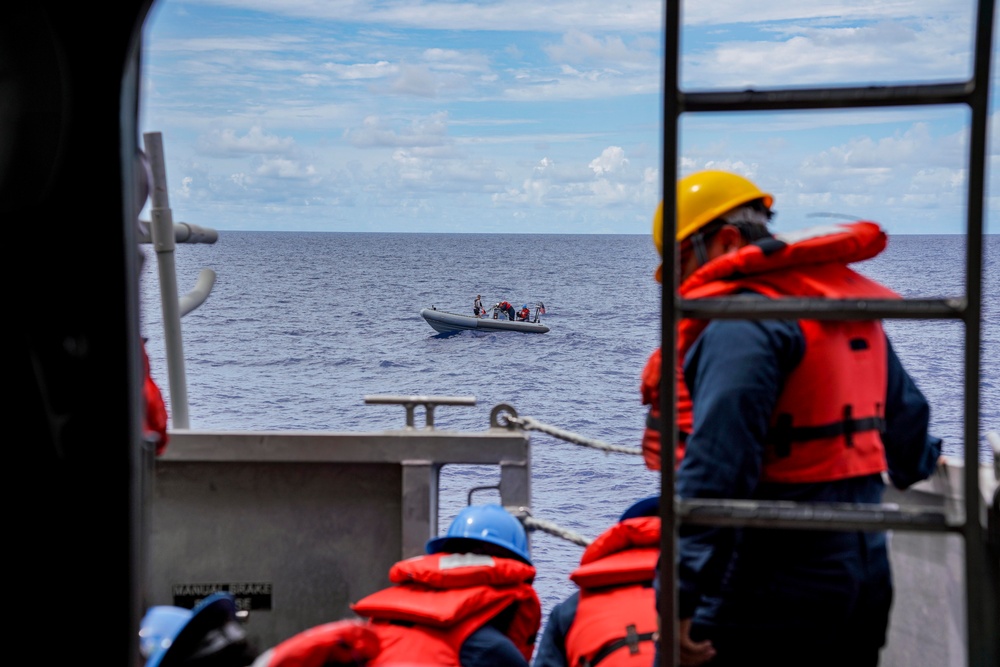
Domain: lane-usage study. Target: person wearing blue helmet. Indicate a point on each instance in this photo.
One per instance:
(468, 602)
(209, 635)
(611, 620)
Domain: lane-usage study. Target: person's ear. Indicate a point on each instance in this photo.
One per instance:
(729, 239)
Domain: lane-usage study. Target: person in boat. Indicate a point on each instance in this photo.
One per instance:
(209, 635)
(469, 602)
(505, 308)
(477, 306)
(611, 620)
(784, 410)
(524, 314)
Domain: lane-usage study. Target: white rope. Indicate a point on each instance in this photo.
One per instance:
(530, 424)
(530, 523)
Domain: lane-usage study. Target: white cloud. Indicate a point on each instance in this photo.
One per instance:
(493, 16)
(284, 168)
(580, 47)
(421, 132)
(612, 160)
(378, 70)
(415, 80)
(226, 142)
(547, 109)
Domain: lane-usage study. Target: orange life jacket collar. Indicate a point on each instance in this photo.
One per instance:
(444, 598)
(616, 613)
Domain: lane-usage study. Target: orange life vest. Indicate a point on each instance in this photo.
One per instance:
(338, 643)
(154, 423)
(846, 408)
(441, 599)
(616, 614)
(650, 390)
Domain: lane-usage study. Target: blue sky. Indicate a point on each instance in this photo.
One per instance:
(520, 116)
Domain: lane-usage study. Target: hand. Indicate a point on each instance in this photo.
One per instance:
(692, 653)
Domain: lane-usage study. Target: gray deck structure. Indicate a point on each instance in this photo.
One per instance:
(300, 524)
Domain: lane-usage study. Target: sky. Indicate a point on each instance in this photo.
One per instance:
(544, 116)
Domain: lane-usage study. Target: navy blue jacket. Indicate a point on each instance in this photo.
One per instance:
(551, 650)
(743, 583)
(488, 647)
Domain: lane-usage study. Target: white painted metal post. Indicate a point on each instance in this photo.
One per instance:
(164, 242)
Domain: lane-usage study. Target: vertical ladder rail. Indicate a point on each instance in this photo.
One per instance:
(667, 602)
(981, 570)
(981, 578)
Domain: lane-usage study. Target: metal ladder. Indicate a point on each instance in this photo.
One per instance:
(982, 615)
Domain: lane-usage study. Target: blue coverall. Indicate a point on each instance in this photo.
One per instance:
(779, 596)
(551, 650)
(488, 647)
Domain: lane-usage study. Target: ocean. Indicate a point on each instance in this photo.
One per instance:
(301, 326)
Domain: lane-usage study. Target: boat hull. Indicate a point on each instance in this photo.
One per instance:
(444, 322)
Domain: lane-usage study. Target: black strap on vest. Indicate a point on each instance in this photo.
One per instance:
(783, 434)
(653, 423)
(631, 639)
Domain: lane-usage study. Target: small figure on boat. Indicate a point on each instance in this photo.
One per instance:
(613, 614)
(787, 410)
(477, 306)
(209, 635)
(505, 308)
(524, 314)
(469, 601)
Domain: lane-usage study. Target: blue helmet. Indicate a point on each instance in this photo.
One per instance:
(646, 507)
(486, 523)
(164, 627)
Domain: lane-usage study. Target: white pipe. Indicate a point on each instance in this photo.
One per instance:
(197, 296)
(185, 232)
(164, 242)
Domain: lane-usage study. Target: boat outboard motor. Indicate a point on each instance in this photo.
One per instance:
(209, 635)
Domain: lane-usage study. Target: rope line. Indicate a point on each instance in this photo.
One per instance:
(531, 523)
(531, 424)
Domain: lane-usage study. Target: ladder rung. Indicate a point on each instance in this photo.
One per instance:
(823, 309)
(827, 98)
(817, 516)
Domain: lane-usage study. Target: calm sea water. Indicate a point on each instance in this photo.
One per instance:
(301, 326)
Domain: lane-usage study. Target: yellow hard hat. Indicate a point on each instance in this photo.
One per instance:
(701, 198)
